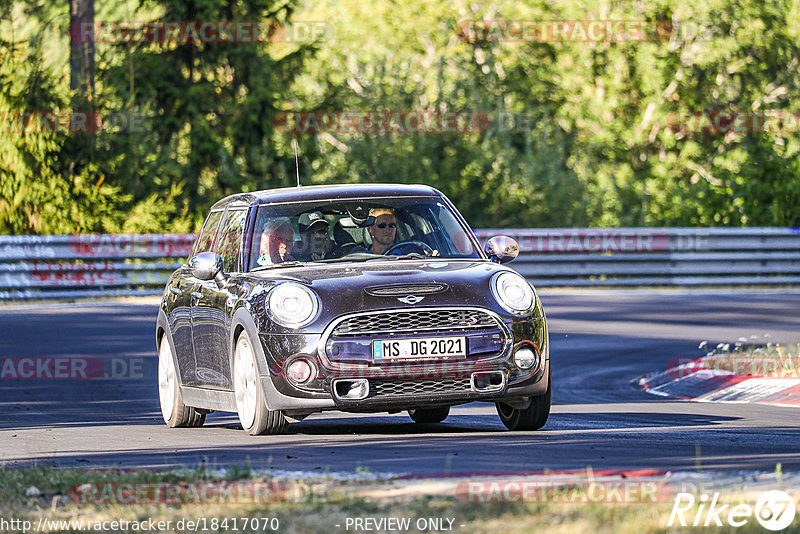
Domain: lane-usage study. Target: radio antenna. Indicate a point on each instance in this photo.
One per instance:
(296, 163)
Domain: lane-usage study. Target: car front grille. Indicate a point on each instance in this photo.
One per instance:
(408, 321)
(405, 289)
(386, 389)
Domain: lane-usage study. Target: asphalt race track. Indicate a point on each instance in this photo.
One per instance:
(600, 342)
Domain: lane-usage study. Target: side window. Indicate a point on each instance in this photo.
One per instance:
(206, 238)
(230, 239)
(459, 241)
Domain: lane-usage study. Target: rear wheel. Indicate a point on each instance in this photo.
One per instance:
(251, 404)
(173, 410)
(430, 415)
(533, 417)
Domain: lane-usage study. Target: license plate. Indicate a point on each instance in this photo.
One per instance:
(430, 347)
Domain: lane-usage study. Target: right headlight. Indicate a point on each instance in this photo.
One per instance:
(292, 305)
(513, 292)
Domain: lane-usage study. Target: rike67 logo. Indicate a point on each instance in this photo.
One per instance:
(774, 510)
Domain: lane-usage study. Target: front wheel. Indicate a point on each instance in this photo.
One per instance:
(251, 405)
(430, 415)
(173, 410)
(531, 418)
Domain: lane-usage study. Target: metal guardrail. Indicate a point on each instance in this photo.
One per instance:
(657, 256)
(139, 264)
(89, 265)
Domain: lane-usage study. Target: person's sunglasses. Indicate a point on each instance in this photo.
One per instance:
(384, 225)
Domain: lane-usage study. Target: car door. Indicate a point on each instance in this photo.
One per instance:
(186, 293)
(179, 316)
(210, 314)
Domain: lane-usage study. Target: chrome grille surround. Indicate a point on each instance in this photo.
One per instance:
(426, 321)
(423, 320)
(391, 392)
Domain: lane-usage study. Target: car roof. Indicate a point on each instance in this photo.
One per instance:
(326, 192)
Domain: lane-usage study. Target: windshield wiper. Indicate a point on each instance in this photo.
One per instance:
(409, 256)
(358, 256)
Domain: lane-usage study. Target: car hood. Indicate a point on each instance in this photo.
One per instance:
(361, 286)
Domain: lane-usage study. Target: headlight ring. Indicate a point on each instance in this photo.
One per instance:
(292, 305)
(513, 293)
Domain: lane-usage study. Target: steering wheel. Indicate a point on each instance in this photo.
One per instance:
(412, 246)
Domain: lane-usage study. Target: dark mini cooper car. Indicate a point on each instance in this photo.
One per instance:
(359, 298)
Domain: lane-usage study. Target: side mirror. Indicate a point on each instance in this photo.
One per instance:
(207, 265)
(501, 249)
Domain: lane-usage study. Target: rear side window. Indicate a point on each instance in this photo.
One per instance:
(206, 239)
(230, 239)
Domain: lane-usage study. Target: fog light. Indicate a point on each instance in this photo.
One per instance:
(300, 371)
(525, 358)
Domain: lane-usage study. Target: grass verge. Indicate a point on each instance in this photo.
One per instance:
(772, 360)
(55, 500)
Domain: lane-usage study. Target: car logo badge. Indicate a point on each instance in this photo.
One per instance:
(410, 299)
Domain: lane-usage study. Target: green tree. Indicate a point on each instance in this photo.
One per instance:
(579, 133)
(211, 104)
(46, 176)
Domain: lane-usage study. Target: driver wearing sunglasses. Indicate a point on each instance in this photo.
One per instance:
(383, 231)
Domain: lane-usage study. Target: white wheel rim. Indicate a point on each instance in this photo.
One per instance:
(505, 411)
(245, 382)
(166, 379)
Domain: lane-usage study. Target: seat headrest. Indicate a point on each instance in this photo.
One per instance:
(340, 234)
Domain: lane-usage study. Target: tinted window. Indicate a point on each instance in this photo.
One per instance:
(206, 239)
(230, 239)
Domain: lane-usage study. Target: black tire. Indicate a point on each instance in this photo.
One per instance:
(270, 422)
(533, 417)
(430, 415)
(176, 414)
(257, 418)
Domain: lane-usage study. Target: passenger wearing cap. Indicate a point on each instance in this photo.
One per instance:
(315, 241)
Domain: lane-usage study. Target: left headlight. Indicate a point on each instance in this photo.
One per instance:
(293, 305)
(513, 292)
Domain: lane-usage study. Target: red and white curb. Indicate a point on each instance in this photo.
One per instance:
(697, 382)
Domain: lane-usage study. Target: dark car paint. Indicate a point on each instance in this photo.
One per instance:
(204, 319)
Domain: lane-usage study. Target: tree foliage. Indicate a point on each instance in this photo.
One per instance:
(578, 133)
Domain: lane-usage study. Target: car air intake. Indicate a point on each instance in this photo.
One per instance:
(399, 290)
(355, 389)
(488, 381)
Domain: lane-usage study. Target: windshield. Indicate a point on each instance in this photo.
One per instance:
(358, 230)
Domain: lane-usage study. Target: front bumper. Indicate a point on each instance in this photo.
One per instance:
(403, 385)
(395, 395)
